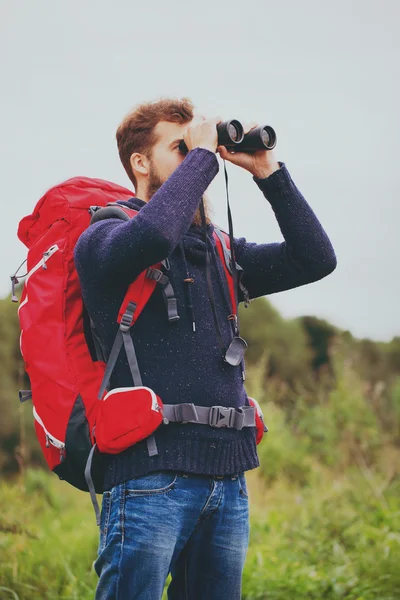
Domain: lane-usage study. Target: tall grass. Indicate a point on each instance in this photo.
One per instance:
(324, 504)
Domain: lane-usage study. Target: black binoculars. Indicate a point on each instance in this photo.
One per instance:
(231, 135)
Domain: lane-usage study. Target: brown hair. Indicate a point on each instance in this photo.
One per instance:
(136, 132)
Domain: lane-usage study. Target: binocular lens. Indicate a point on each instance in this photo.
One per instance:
(265, 137)
(233, 131)
(268, 137)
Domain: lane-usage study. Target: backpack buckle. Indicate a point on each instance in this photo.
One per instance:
(155, 274)
(127, 317)
(221, 416)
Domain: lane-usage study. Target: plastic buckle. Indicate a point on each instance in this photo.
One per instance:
(127, 317)
(221, 416)
(126, 322)
(155, 274)
(239, 419)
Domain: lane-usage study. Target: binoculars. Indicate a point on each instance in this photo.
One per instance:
(231, 135)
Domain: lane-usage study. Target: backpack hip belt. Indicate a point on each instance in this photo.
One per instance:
(215, 416)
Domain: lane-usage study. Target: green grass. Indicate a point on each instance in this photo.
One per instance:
(331, 538)
(334, 539)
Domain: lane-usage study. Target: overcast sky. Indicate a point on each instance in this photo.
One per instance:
(325, 75)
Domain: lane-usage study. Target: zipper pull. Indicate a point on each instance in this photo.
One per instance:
(15, 281)
(47, 441)
(62, 454)
(46, 256)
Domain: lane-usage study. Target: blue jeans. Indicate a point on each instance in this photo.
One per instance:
(195, 527)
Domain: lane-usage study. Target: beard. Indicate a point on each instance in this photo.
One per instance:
(155, 182)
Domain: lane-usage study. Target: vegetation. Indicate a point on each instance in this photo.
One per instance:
(325, 502)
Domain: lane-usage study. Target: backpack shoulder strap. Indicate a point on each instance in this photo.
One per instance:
(112, 210)
(223, 247)
(141, 289)
(136, 298)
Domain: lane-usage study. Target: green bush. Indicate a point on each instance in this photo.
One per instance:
(281, 452)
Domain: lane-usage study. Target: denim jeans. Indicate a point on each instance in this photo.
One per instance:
(195, 527)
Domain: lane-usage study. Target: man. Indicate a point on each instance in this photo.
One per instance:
(185, 510)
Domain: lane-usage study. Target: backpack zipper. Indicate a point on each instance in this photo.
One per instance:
(42, 261)
(50, 439)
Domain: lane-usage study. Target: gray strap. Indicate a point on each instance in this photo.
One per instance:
(167, 292)
(120, 339)
(170, 303)
(111, 362)
(132, 360)
(216, 416)
(151, 445)
(89, 481)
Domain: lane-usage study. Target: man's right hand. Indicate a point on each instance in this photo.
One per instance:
(202, 133)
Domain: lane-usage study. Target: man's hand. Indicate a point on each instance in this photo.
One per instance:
(202, 133)
(260, 163)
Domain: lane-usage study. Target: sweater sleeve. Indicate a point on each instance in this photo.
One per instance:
(118, 251)
(305, 256)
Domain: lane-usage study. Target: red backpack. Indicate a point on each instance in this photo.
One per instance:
(65, 379)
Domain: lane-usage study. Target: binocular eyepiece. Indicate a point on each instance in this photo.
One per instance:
(231, 135)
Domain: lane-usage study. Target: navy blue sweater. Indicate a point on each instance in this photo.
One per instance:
(179, 364)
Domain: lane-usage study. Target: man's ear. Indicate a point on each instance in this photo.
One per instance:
(139, 163)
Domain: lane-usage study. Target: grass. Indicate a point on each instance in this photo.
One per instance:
(333, 538)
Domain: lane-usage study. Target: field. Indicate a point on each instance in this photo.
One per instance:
(324, 503)
(332, 538)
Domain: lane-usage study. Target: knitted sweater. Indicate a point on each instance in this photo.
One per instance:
(179, 363)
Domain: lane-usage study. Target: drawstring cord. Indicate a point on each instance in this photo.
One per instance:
(188, 280)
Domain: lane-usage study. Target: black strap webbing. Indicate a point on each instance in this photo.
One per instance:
(209, 281)
(167, 292)
(90, 484)
(233, 259)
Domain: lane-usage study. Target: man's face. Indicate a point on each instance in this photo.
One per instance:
(166, 157)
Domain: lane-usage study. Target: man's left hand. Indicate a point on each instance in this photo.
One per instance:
(260, 163)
